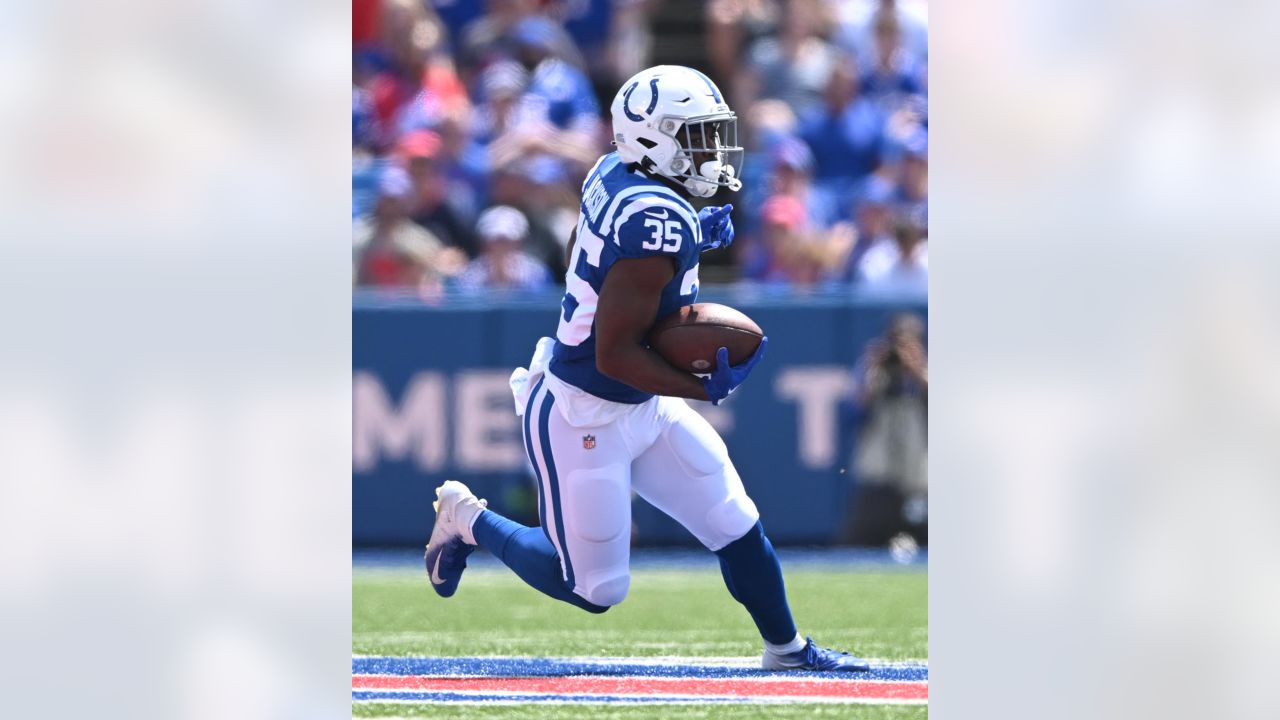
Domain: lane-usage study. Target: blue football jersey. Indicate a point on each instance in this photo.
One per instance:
(623, 214)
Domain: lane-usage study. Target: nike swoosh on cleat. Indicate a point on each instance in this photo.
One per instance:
(435, 571)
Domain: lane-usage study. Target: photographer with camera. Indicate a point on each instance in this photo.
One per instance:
(890, 401)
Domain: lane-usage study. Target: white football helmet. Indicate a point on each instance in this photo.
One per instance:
(673, 121)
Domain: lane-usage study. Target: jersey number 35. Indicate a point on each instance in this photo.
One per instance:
(672, 228)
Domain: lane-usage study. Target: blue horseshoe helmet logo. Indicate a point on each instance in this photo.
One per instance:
(653, 101)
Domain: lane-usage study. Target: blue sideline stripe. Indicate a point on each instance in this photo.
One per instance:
(555, 485)
(528, 446)
(538, 667)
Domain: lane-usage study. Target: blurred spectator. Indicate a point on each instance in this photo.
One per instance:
(515, 122)
(559, 87)
(856, 22)
(365, 128)
(797, 243)
(907, 127)
(364, 22)
(498, 92)
(793, 167)
(768, 122)
(846, 134)
(794, 66)
(366, 174)
(792, 251)
(366, 166)
(540, 190)
(786, 255)
(873, 217)
(484, 39)
(732, 25)
(500, 88)
(891, 75)
(900, 263)
(463, 162)
(768, 125)
(428, 204)
(539, 111)
(871, 223)
(407, 74)
(912, 194)
(457, 14)
(394, 252)
(502, 264)
(493, 36)
(890, 402)
(611, 35)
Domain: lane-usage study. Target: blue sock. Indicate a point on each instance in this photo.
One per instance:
(528, 552)
(754, 577)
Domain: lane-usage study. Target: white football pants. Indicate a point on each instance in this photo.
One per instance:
(661, 449)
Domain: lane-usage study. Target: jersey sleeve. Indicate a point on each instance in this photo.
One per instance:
(654, 225)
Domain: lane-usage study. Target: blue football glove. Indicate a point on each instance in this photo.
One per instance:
(727, 378)
(717, 227)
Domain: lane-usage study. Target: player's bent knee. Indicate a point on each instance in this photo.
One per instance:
(593, 608)
(730, 520)
(608, 592)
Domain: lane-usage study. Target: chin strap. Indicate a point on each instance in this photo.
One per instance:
(704, 184)
(733, 183)
(699, 187)
(711, 177)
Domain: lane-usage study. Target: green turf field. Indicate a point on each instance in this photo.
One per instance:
(876, 614)
(668, 612)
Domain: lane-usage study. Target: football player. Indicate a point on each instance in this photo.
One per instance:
(603, 414)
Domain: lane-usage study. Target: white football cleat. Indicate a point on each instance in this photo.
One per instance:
(451, 539)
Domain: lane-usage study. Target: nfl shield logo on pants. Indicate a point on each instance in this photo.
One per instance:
(588, 442)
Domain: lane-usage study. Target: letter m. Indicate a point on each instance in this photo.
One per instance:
(381, 431)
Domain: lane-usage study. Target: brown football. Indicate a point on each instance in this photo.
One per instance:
(689, 337)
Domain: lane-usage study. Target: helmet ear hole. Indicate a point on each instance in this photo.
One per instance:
(649, 144)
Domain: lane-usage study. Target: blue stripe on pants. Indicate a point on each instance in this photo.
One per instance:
(554, 482)
(528, 447)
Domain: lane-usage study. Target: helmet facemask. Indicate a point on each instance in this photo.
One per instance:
(709, 157)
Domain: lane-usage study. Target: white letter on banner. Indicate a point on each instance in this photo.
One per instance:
(378, 430)
(488, 432)
(818, 391)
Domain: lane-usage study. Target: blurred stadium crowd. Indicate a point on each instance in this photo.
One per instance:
(474, 123)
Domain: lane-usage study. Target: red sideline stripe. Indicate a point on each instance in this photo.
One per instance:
(731, 687)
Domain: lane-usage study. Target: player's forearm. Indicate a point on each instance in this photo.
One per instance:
(646, 371)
